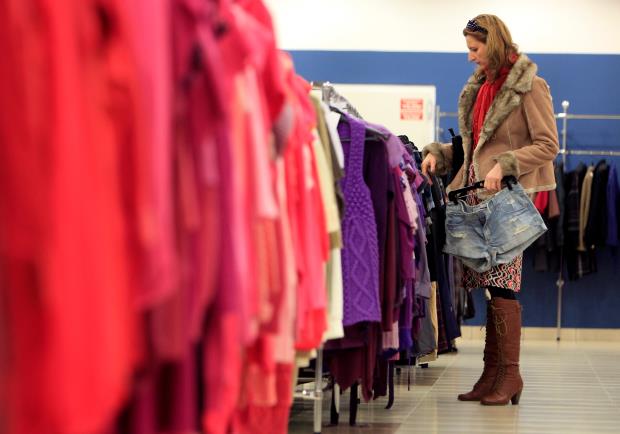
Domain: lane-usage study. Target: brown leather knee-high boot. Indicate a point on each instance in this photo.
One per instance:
(508, 383)
(485, 383)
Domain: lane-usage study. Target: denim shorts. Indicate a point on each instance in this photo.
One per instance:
(494, 231)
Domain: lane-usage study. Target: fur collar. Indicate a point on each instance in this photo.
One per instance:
(518, 82)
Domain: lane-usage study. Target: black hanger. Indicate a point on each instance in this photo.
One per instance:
(458, 155)
(460, 193)
(337, 110)
(376, 134)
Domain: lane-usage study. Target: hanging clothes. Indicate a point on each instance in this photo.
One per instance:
(613, 208)
(85, 85)
(595, 232)
(574, 181)
(360, 256)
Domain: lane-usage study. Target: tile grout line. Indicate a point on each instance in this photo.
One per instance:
(600, 382)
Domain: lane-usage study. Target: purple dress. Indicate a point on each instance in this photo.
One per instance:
(360, 256)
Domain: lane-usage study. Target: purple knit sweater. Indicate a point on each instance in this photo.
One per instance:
(360, 256)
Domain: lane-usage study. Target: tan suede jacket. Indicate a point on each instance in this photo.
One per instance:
(519, 132)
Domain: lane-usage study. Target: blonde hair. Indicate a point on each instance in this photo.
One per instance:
(499, 45)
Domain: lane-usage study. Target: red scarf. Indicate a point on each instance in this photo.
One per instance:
(485, 98)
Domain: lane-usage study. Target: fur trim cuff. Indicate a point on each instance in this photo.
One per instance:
(509, 164)
(435, 150)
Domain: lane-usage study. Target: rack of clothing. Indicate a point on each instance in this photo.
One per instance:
(564, 152)
(587, 198)
(316, 393)
(397, 290)
(162, 231)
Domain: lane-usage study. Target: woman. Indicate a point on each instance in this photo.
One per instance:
(505, 116)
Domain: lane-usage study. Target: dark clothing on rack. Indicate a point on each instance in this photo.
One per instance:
(613, 208)
(444, 292)
(586, 259)
(425, 342)
(443, 344)
(406, 318)
(354, 356)
(573, 184)
(377, 178)
(561, 194)
(380, 383)
(446, 315)
(549, 249)
(562, 239)
(439, 194)
(390, 277)
(596, 229)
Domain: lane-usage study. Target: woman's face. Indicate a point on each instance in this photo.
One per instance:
(477, 51)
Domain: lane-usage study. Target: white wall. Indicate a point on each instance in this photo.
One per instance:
(538, 26)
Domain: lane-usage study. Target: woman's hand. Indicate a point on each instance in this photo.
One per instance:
(493, 180)
(428, 165)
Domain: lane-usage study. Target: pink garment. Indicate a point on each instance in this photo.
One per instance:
(312, 299)
(246, 309)
(259, 125)
(284, 340)
(229, 324)
(79, 286)
(270, 419)
(208, 97)
(412, 207)
(150, 36)
(390, 339)
(186, 225)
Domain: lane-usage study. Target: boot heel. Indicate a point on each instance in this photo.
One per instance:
(515, 399)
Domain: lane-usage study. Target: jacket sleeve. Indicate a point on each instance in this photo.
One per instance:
(443, 153)
(539, 116)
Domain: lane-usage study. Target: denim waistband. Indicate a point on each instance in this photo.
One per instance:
(488, 204)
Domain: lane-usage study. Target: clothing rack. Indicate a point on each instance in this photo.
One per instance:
(327, 92)
(438, 115)
(564, 151)
(565, 116)
(316, 394)
(330, 95)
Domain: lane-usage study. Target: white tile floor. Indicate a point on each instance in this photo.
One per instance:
(570, 387)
